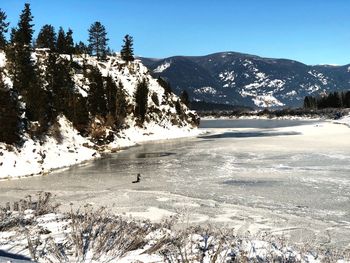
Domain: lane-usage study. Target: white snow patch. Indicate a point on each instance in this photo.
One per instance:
(205, 90)
(319, 76)
(267, 101)
(260, 76)
(227, 76)
(162, 67)
(291, 93)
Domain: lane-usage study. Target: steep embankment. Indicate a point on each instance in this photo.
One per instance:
(63, 145)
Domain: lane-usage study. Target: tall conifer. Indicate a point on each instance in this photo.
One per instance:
(47, 38)
(98, 40)
(3, 29)
(127, 51)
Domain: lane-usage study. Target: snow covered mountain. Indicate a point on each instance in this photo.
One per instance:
(166, 117)
(241, 79)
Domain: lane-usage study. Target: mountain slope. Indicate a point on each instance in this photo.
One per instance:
(242, 79)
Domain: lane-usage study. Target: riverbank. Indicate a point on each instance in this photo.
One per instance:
(284, 114)
(65, 147)
(38, 231)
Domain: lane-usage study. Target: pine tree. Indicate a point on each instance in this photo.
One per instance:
(96, 95)
(166, 85)
(24, 32)
(127, 51)
(79, 113)
(3, 29)
(61, 41)
(23, 71)
(47, 38)
(60, 85)
(21, 66)
(141, 101)
(111, 93)
(81, 48)
(98, 40)
(120, 106)
(185, 98)
(69, 43)
(10, 128)
(347, 99)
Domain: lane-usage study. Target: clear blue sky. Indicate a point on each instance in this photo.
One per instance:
(311, 31)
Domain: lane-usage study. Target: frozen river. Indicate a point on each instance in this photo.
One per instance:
(283, 177)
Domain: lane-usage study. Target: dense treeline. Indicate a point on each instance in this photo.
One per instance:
(43, 86)
(332, 100)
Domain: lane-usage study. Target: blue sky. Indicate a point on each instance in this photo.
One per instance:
(310, 31)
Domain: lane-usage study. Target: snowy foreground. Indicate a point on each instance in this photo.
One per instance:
(38, 231)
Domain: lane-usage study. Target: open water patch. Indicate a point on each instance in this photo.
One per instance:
(252, 183)
(248, 134)
(153, 155)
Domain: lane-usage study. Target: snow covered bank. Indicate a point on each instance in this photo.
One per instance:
(344, 120)
(40, 232)
(68, 148)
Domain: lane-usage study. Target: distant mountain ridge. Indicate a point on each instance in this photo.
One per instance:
(249, 80)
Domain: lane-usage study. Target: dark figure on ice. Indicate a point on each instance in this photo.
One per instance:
(138, 178)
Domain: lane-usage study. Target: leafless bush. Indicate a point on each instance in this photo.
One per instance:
(55, 132)
(97, 129)
(96, 235)
(12, 216)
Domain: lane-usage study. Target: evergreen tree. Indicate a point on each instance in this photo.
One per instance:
(23, 71)
(96, 96)
(21, 66)
(60, 85)
(178, 108)
(9, 115)
(111, 95)
(69, 43)
(141, 101)
(120, 106)
(3, 29)
(24, 32)
(47, 38)
(310, 102)
(79, 113)
(81, 48)
(98, 40)
(166, 85)
(347, 99)
(61, 41)
(127, 51)
(185, 98)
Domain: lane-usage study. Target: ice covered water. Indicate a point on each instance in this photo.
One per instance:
(283, 177)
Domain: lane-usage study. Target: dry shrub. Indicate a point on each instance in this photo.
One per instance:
(97, 128)
(96, 234)
(55, 132)
(14, 216)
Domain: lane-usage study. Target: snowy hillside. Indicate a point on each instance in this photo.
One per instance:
(63, 145)
(241, 79)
